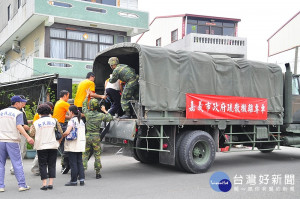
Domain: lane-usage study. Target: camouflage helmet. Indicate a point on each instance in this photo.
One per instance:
(113, 61)
(93, 104)
(71, 101)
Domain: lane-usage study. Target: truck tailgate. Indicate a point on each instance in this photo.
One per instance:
(122, 129)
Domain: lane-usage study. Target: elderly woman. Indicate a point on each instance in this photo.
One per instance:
(46, 144)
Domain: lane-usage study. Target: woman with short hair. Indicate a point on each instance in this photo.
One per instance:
(46, 144)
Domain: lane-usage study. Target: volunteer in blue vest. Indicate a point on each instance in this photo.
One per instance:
(11, 121)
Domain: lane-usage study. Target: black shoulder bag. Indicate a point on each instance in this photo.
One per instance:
(58, 135)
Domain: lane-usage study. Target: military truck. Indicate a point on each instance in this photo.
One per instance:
(191, 104)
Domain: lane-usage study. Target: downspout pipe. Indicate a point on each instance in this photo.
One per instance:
(288, 119)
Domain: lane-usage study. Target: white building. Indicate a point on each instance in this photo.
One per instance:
(213, 35)
(283, 44)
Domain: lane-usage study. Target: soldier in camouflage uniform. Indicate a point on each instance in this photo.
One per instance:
(125, 74)
(93, 124)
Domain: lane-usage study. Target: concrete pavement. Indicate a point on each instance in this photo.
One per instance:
(124, 177)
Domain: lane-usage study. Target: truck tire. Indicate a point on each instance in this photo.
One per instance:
(179, 138)
(134, 154)
(197, 151)
(147, 157)
(265, 147)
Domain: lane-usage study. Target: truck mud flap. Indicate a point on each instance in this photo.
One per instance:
(121, 129)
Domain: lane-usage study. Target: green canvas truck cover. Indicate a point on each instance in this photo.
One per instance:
(165, 76)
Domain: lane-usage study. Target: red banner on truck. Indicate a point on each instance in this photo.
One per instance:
(200, 106)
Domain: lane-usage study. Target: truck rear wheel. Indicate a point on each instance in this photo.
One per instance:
(197, 152)
(144, 156)
(179, 138)
(265, 147)
(134, 154)
(178, 141)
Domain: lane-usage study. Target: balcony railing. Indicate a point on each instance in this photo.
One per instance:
(219, 41)
(212, 44)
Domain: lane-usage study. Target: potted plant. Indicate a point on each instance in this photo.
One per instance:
(30, 153)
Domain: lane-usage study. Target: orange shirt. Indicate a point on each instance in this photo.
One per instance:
(81, 91)
(60, 109)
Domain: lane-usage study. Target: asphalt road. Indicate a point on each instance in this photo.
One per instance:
(124, 177)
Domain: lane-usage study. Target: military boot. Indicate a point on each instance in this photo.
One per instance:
(126, 115)
(98, 176)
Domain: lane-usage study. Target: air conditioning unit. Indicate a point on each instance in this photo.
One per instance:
(16, 46)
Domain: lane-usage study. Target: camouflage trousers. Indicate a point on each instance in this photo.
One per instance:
(130, 92)
(92, 145)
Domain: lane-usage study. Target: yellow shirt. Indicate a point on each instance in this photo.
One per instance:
(81, 91)
(36, 117)
(60, 109)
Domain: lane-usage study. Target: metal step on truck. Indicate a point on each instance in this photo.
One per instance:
(192, 104)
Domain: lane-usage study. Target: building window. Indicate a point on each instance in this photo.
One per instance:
(78, 45)
(216, 30)
(128, 15)
(90, 51)
(109, 2)
(60, 4)
(213, 27)
(8, 13)
(158, 42)
(36, 44)
(191, 28)
(228, 29)
(120, 39)
(89, 67)
(58, 48)
(174, 35)
(105, 41)
(99, 10)
(106, 2)
(57, 64)
(203, 30)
